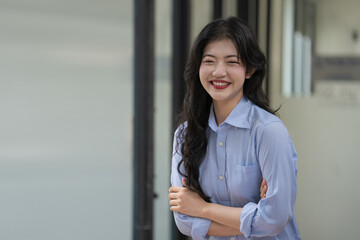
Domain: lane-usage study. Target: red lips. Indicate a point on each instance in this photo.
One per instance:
(219, 84)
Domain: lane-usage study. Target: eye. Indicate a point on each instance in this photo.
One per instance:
(208, 61)
(233, 62)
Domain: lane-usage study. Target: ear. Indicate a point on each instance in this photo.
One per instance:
(250, 73)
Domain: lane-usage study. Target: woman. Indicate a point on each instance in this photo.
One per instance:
(228, 141)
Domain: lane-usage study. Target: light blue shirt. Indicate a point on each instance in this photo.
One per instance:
(250, 145)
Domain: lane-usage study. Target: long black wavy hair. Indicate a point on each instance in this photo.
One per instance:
(193, 119)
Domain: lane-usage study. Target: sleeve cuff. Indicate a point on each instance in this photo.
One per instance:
(200, 228)
(247, 214)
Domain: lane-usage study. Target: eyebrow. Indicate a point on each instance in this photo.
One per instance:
(229, 56)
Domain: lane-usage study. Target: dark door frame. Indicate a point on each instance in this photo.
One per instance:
(143, 163)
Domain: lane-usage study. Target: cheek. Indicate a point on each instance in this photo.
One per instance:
(202, 75)
(239, 71)
(201, 72)
(238, 74)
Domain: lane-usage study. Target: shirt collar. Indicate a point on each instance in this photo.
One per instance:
(239, 116)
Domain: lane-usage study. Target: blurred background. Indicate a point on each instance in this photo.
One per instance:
(67, 109)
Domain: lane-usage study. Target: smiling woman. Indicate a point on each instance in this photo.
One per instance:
(228, 141)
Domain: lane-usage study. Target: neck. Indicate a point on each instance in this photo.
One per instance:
(222, 110)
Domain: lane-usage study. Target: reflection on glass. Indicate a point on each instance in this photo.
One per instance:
(299, 35)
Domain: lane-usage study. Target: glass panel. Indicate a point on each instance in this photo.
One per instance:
(201, 14)
(66, 132)
(229, 8)
(298, 38)
(287, 55)
(163, 139)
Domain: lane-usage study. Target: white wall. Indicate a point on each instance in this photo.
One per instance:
(326, 133)
(335, 22)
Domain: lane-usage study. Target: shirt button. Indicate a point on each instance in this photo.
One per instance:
(221, 177)
(220, 144)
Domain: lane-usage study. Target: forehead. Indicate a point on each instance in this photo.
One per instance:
(221, 47)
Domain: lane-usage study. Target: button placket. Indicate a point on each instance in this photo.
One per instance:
(221, 158)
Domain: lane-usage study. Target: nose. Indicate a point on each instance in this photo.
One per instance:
(219, 71)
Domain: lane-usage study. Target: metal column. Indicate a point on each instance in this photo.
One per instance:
(248, 11)
(143, 120)
(181, 38)
(217, 9)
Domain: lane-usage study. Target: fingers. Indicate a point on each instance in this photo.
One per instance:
(263, 183)
(263, 189)
(175, 209)
(174, 205)
(172, 196)
(263, 192)
(175, 189)
(173, 202)
(176, 192)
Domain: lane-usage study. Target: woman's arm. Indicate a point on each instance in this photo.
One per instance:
(227, 217)
(188, 225)
(187, 202)
(217, 229)
(277, 160)
(225, 220)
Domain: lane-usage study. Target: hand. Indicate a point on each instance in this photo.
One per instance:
(185, 201)
(263, 189)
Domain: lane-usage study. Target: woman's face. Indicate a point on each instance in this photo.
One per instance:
(221, 73)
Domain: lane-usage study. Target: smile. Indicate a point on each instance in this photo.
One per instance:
(219, 84)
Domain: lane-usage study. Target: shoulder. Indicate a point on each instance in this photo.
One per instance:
(180, 129)
(265, 123)
(179, 134)
(259, 116)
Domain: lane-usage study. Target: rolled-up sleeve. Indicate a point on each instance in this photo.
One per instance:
(195, 227)
(277, 158)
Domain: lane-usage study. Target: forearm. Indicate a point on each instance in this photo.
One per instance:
(217, 229)
(222, 220)
(227, 216)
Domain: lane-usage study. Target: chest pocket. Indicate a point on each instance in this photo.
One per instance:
(245, 184)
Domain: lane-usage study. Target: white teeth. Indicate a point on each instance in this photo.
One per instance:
(220, 83)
